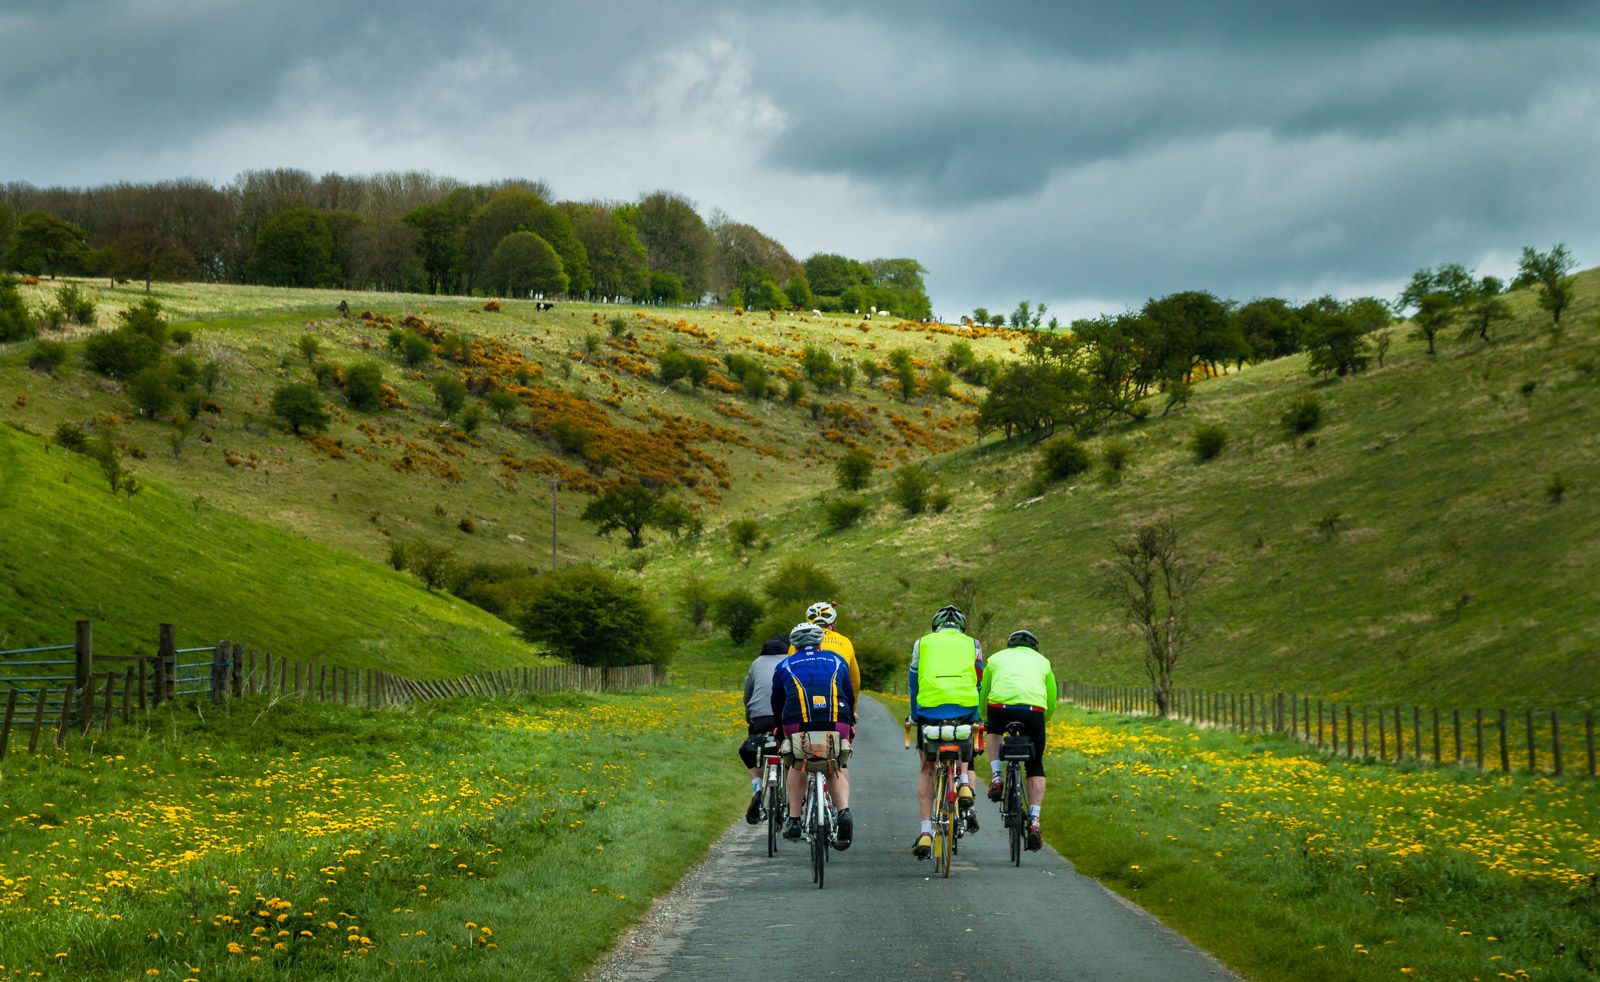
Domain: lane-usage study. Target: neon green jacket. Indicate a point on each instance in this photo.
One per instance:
(1018, 677)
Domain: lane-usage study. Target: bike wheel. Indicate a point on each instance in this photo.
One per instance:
(939, 825)
(775, 815)
(1014, 813)
(819, 837)
(950, 814)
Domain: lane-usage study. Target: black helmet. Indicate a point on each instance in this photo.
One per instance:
(950, 616)
(775, 646)
(1022, 639)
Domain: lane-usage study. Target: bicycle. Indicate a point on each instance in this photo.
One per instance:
(772, 796)
(818, 751)
(947, 745)
(1015, 749)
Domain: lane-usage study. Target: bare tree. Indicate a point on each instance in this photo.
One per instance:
(1151, 582)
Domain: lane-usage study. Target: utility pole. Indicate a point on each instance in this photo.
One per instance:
(555, 486)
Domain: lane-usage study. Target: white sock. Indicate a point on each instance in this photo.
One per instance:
(755, 784)
(994, 768)
(927, 827)
(966, 778)
(1033, 810)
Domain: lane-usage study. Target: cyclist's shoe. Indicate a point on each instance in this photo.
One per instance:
(964, 796)
(924, 846)
(1035, 841)
(844, 829)
(997, 789)
(971, 815)
(752, 815)
(791, 828)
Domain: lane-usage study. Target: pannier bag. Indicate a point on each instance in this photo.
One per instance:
(819, 750)
(947, 741)
(1016, 748)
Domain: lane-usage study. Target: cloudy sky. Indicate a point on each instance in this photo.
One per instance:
(1084, 154)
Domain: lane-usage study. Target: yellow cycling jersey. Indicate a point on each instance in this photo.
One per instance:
(840, 645)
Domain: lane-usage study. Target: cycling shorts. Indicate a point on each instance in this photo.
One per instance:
(1032, 727)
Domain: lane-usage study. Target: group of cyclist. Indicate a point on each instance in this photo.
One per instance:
(810, 681)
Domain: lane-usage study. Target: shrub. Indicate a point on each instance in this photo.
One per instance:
(672, 364)
(414, 349)
(845, 512)
(121, 353)
(744, 533)
(502, 590)
(502, 404)
(879, 664)
(326, 373)
(590, 617)
(940, 500)
(1063, 457)
(854, 469)
(910, 488)
(795, 391)
(144, 319)
(15, 321)
(799, 583)
(363, 385)
(450, 392)
(1208, 442)
(433, 565)
(74, 305)
(472, 418)
(70, 436)
(467, 525)
(737, 613)
(153, 391)
(47, 356)
(1116, 456)
(309, 347)
(181, 336)
(1303, 414)
(300, 405)
(695, 599)
(618, 326)
(1555, 489)
(397, 555)
(210, 376)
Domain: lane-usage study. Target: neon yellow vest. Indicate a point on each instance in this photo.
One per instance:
(947, 671)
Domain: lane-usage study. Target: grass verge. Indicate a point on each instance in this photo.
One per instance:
(455, 840)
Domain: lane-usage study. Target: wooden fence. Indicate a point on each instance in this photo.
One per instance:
(1504, 740)
(50, 697)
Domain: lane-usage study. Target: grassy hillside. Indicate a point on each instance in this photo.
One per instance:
(401, 472)
(1409, 548)
(72, 550)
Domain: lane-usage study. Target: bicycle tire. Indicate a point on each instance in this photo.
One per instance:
(1014, 812)
(819, 839)
(938, 819)
(952, 814)
(774, 817)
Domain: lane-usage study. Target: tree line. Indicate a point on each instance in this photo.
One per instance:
(418, 232)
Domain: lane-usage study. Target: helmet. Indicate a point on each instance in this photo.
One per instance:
(775, 646)
(950, 616)
(805, 635)
(822, 612)
(1022, 639)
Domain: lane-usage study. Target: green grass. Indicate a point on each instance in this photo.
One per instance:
(450, 840)
(72, 550)
(1406, 549)
(1330, 869)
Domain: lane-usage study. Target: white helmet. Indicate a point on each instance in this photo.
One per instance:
(822, 612)
(805, 635)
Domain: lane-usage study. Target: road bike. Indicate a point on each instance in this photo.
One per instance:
(818, 751)
(947, 745)
(1015, 750)
(773, 800)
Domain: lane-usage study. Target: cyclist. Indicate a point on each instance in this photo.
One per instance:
(758, 716)
(1019, 686)
(945, 668)
(811, 690)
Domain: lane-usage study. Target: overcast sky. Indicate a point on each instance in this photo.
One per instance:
(1085, 154)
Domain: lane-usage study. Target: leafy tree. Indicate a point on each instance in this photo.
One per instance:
(363, 385)
(1335, 339)
(8, 225)
(1063, 457)
(743, 249)
(1451, 280)
(665, 287)
(854, 469)
(515, 210)
(153, 391)
(434, 565)
(797, 584)
(44, 244)
(300, 405)
(744, 534)
(845, 512)
(1549, 271)
(589, 617)
(1270, 328)
(672, 364)
(738, 611)
(450, 392)
(294, 248)
(912, 486)
(798, 291)
(523, 263)
(1151, 582)
(1484, 308)
(695, 599)
(628, 505)
(502, 404)
(414, 349)
(980, 315)
(829, 274)
(384, 255)
(1434, 313)
(761, 292)
(1208, 442)
(617, 261)
(16, 323)
(134, 346)
(146, 253)
(676, 241)
(439, 228)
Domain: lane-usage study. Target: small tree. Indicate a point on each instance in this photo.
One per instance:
(1150, 583)
(797, 584)
(451, 393)
(300, 405)
(1549, 271)
(1302, 415)
(1063, 457)
(744, 534)
(912, 486)
(738, 610)
(672, 364)
(16, 323)
(589, 617)
(433, 564)
(1434, 313)
(309, 346)
(854, 469)
(1208, 442)
(1485, 308)
(153, 391)
(629, 506)
(695, 599)
(363, 385)
(502, 404)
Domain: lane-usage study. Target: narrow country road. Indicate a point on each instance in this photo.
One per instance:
(884, 917)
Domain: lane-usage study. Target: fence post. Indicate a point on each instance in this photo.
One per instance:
(1505, 749)
(1383, 737)
(1349, 732)
(1294, 716)
(1477, 725)
(1399, 736)
(1455, 725)
(1319, 724)
(5, 729)
(1533, 756)
(83, 657)
(250, 679)
(218, 660)
(1416, 732)
(1333, 728)
(235, 669)
(1555, 741)
(166, 655)
(38, 720)
(1588, 737)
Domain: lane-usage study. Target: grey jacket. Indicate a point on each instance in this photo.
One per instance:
(758, 681)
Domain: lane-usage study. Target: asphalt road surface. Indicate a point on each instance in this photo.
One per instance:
(883, 916)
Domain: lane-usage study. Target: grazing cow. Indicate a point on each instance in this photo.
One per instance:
(544, 305)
